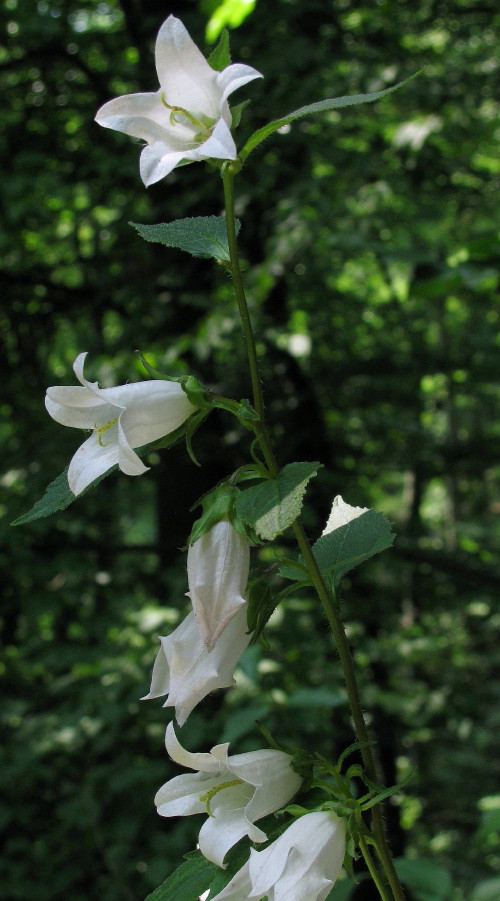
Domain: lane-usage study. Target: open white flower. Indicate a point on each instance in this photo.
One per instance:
(217, 564)
(120, 419)
(188, 118)
(234, 791)
(342, 513)
(303, 863)
(187, 671)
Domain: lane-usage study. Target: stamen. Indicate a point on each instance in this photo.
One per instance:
(101, 429)
(177, 111)
(207, 797)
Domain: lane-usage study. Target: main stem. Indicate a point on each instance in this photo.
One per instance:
(328, 603)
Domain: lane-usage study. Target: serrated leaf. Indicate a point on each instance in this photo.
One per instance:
(58, 495)
(273, 505)
(349, 545)
(322, 106)
(220, 56)
(187, 882)
(201, 236)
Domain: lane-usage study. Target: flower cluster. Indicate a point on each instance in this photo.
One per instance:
(189, 119)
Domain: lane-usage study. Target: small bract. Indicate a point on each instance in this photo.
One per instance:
(234, 792)
(188, 118)
(119, 418)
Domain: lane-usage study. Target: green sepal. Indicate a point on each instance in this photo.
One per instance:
(236, 113)
(220, 56)
(196, 392)
(247, 415)
(219, 503)
(193, 424)
(365, 804)
(153, 372)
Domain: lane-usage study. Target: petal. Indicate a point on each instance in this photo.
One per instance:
(183, 72)
(228, 824)
(206, 763)
(234, 77)
(195, 672)
(90, 461)
(128, 461)
(140, 116)
(160, 676)
(218, 565)
(303, 862)
(238, 887)
(157, 161)
(75, 407)
(181, 795)
(153, 409)
(220, 145)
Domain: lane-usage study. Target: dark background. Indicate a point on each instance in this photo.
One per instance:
(371, 241)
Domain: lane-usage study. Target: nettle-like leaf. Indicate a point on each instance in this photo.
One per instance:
(58, 495)
(190, 880)
(201, 236)
(322, 106)
(273, 505)
(346, 547)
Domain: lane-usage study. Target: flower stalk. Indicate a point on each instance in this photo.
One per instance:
(328, 602)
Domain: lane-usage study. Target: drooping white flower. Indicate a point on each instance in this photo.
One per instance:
(187, 671)
(188, 118)
(217, 564)
(342, 513)
(120, 419)
(234, 791)
(303, 863)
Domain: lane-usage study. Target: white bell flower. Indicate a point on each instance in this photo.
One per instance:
(234, 791)
(217, 564)
(303, 863)
(342, 513)
(119, 418)
(188, 118)
(187, 671)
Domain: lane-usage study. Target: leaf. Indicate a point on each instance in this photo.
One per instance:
(273, 505)
(58, 495)
(220, 56)
(426, 880)
(349, 545)
(201, 236)
(321, 106)
(187, 882)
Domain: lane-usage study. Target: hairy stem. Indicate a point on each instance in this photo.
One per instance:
(327, 601)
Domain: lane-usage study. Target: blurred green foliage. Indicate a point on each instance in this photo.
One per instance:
(371, 236)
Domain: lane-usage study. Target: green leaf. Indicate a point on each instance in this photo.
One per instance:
(220, 56)
(322, 106)
(426, 880)
(201, 236)
(58, 496)
(187, 882)
(273, 505)
(348, 546)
